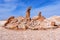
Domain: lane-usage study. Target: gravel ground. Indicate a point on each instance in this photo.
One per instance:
(51, 34)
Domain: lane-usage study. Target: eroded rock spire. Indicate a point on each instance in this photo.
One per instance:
(28, 13)
(40, 17)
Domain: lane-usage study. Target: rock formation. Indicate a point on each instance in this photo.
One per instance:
(12, 24)
(36, 23)
(47, 24)
(40, 17)
(51, 23)
(28, 14)
(19, 22)
(9, 20)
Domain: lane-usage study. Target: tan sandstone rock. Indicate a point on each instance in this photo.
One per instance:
(55, 19)
(9, 20)
(36, 21)
(28, 14)
(12, 24)
(47, 24)
(39, 17)
(52, 22)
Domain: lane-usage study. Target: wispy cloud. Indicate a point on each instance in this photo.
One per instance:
(18, 7)
(9, 7)
(48, 10)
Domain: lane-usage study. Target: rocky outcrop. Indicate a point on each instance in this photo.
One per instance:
(28, 14)
(55, 19)
(51, 23)
(9, 20)
(36, 23)
(19, 22)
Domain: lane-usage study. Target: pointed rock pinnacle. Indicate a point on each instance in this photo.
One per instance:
(39, 15)
(28, 13)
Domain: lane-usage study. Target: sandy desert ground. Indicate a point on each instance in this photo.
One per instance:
(51, 34)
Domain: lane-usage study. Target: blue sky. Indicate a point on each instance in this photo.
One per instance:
(18, 8)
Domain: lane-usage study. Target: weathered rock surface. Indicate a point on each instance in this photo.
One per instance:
(38, 22)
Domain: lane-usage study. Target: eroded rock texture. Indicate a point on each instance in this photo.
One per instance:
(38, 22)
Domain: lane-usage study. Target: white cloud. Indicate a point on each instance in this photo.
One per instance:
(49, 10)
(7, 8)
(7, 0)
(11, 0)
(10, 5)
